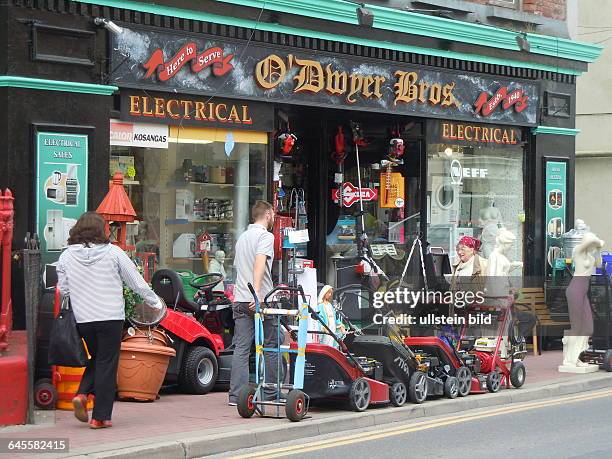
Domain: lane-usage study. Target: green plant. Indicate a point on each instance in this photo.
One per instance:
(131, 300)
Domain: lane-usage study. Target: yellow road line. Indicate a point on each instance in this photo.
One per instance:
(362, 437)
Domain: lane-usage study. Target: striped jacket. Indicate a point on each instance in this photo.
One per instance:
(94, 276)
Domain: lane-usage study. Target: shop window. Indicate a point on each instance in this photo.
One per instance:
(198, 189)
(474, 191)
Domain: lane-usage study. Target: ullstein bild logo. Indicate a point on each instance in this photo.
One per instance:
(458, 172)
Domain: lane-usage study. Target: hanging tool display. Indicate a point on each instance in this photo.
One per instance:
(392, 183)
(367, 265)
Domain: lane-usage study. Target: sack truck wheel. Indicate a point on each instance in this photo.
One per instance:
(45, 394)
(398, 394)
(464, 376)
(199, 372)
(607, 362)
(295, 407)
(360, 394)
(417, 387)
(518, 374)
(245, 405)
(451, 387)
(494, 381)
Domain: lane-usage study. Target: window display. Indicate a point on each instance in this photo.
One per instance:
(193, 198)
(474, 190)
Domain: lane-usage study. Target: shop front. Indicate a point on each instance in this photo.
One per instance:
(342, 146)
(193, 169)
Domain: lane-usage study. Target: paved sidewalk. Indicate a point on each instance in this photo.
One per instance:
(192, 426)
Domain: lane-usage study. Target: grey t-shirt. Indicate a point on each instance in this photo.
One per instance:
(254, 241)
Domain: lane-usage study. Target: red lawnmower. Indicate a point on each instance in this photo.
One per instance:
(200, 330)
(496, 360)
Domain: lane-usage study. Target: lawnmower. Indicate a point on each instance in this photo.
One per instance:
(491, 367)
(410, 375)
(200, 330)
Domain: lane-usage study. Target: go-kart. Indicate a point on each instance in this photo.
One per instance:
(200, 330)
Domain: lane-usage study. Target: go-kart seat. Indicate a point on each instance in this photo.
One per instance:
(169, 286)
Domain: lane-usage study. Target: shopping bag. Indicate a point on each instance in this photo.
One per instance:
(66, 347)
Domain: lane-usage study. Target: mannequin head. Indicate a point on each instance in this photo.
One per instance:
(326, 294)
(504, 240)
(490, 199)
(220, 256)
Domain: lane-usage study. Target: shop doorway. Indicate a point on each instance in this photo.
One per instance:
(330, 179)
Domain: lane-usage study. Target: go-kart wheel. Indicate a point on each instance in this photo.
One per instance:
(417, 387)
(607, 361)
(518, 374)
(451, 387)
(45, 394)
(398, 394)
(464, 378)
(360, 394)
(198, 374)
(295, 406)
(244, 403)
(494, 381)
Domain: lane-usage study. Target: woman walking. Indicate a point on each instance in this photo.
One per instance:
(92, 271)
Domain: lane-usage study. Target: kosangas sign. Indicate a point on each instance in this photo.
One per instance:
(198, 64)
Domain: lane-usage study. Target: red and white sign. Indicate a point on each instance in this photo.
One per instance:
(189, 53)
(517, 99)
(350, 194)
(138, 134)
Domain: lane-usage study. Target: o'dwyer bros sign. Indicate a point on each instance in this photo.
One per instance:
(204, 65)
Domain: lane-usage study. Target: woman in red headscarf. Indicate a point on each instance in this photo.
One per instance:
(469, 272)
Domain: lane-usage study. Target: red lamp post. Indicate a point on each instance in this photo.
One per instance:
(117, 208)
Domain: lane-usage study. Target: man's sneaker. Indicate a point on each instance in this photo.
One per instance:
(232, 403)
(95, 424)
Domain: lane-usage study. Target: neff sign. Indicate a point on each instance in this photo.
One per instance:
(458, 172)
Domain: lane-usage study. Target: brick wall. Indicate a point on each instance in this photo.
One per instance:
(554, 9)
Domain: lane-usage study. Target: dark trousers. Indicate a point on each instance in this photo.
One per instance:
(244, 336)
(103, 341)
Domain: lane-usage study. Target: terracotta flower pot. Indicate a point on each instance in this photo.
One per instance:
(157, 337)
(142, 366)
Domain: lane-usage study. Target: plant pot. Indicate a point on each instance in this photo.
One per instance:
(158, 337)
(142, 366)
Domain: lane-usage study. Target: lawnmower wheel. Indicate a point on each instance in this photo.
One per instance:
(494, 381)
(518, 374)
(295, 406)
(45, 394)
(607, 361)
(417, 387)
(360, 394)
(398, 394)
(199, 371)
(245, 405)
(464, 377)
(451, 387)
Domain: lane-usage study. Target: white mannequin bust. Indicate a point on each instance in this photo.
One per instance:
(216, 266)
(490, 218)
(499, 265)
(586, 257)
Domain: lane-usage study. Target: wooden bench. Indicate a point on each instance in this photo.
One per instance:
(532, 299)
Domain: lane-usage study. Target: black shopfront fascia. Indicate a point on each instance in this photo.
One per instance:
(80, 18)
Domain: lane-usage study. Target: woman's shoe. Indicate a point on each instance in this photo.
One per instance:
(79, 404)
(95, 424)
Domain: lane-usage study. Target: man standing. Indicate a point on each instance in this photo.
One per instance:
(253, 262)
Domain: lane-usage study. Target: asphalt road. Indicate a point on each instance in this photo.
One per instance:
(578, 426)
